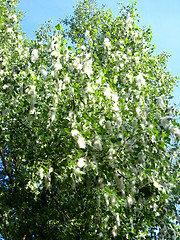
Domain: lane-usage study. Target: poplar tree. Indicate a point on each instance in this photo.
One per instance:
(89, 143)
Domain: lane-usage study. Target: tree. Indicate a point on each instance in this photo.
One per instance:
(89, 143)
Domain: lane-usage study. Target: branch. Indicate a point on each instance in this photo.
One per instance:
(22, 124)
(74, 104)
(54, 199)
(124, 145)
(127, 179)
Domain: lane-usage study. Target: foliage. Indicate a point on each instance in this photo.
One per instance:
(89, 143)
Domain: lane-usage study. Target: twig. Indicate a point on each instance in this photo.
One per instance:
(127, 179)
(22, 124)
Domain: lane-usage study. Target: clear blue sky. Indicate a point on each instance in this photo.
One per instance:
(162, 15)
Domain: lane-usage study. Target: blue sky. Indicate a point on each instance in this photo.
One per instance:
(162, 15)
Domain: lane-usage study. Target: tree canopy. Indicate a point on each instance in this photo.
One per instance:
(89, 143)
